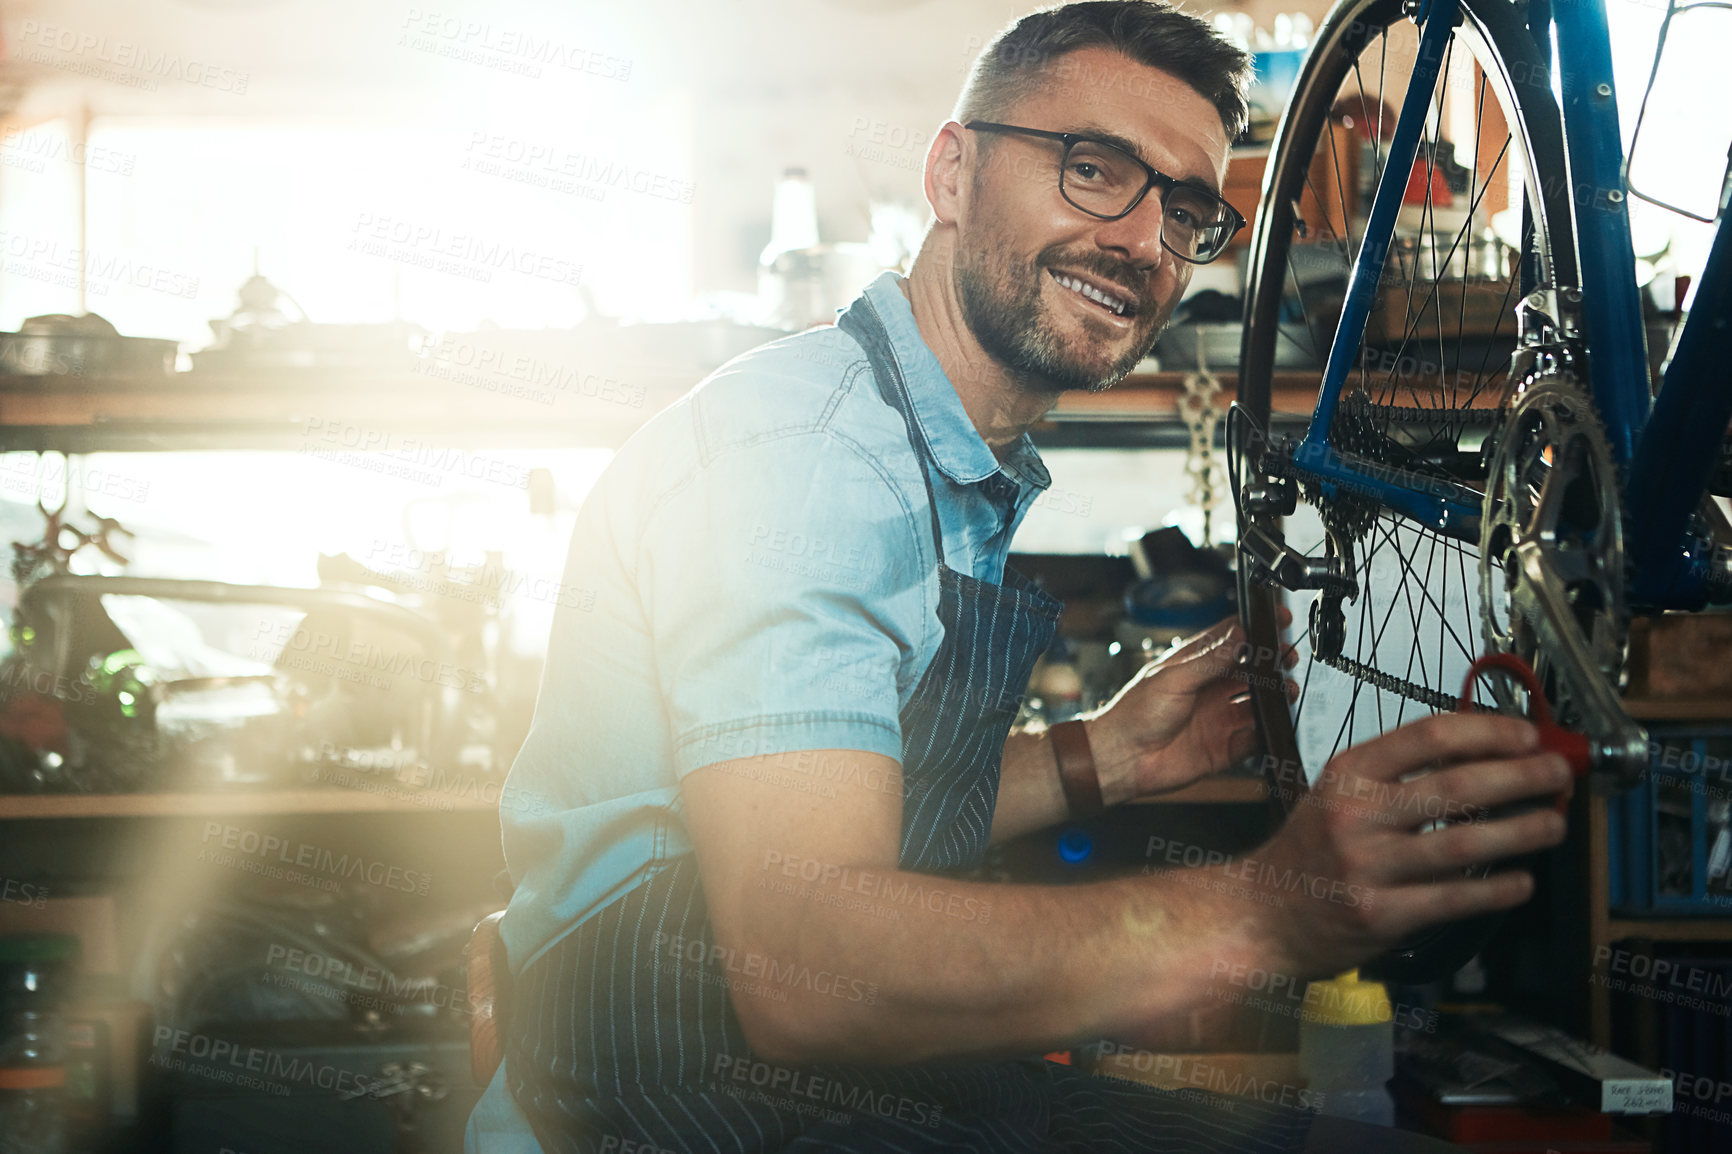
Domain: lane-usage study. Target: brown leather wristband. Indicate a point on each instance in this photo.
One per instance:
(1076, 769)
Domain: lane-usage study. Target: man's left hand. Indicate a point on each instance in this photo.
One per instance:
(1182, 717)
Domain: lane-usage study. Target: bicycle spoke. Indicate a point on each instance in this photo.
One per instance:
(1430, 365)
(1399, 621)
(1473, 201)
(1443, 616)
(1408, 335)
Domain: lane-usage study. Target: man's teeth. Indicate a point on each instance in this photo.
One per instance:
(1094, 294)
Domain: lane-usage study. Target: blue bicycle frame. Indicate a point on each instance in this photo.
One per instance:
(1668, 455)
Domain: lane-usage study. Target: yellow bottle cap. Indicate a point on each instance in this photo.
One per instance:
(1346, 1001)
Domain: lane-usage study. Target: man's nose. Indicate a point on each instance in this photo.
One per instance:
(1137, 234)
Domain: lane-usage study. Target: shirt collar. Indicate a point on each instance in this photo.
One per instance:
(957, 446)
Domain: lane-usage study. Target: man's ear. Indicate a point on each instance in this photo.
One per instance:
(945, 173)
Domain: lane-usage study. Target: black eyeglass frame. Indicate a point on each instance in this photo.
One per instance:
(1153, 178)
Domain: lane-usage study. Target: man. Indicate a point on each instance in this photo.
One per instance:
(789, 706)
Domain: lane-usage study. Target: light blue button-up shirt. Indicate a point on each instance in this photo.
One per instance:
(758, 577)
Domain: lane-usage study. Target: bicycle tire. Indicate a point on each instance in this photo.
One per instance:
(1511, 67)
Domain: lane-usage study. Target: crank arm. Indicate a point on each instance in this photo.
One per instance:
(1618, 746)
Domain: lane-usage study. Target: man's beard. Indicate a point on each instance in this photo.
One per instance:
(1007, 316)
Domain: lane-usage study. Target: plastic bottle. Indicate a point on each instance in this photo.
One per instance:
(1060, 684)
(1469, 981)
(793, 216)
(35, 970)
(1347, 1048)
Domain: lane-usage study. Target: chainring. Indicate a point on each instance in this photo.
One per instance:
(1552, 482)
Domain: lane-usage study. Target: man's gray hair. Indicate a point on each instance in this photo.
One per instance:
(1148, 31)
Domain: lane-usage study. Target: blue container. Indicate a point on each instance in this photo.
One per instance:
(1660, 838)
(1276, 73)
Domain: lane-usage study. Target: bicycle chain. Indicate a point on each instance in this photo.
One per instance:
(1389, 683)
(1356, 432)
(1360, 428)
(1201, 413)
(1434, 418)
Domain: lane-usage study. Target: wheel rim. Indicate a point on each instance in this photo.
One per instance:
(1428, 381)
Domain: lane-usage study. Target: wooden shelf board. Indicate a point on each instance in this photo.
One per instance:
(316, 801)
(309, 407)
(288, 801)
(323, 412)
(314, 403)
(1670, 929)
(404, 400)
(1706, 709)
(1155, 396)
(1145, 396)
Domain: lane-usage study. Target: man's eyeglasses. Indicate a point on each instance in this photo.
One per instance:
(1105, 181)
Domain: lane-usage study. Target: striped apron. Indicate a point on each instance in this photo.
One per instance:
(623, 1040)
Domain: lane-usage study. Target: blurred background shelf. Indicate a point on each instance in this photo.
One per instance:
(1701, 929)
(293, 411)
(1142, 411)
(1703, 709)
(294, 801)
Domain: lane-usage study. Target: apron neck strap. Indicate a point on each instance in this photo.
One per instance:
(861, 321)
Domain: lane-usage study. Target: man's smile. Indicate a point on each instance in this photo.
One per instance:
(1102, 298)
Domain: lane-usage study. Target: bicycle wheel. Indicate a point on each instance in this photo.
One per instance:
(1476, 233)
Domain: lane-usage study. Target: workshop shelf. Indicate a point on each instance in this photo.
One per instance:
(219, 804)
(1669, 929)
(291, 411)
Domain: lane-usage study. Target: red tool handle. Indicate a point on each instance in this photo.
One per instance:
(1555, 738)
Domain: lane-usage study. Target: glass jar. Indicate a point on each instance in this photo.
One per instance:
(35, 973)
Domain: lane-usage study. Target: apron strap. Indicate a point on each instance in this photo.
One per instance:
(860, 321)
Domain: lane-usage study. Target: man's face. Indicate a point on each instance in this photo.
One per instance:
(1021, 242)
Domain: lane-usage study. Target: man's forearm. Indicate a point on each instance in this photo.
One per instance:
(1030, 795)
(929, 967)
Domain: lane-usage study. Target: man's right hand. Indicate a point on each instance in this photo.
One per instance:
(1377, 866)
(1132, 958)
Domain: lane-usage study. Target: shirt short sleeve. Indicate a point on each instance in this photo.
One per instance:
(783, 585)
